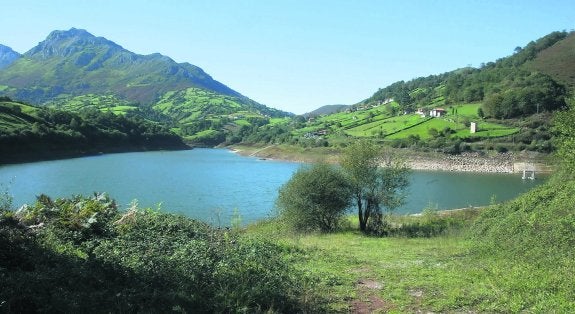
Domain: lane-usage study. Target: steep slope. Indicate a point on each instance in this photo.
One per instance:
(467, 85)
(75, 62)
(7, 56)
(29, 133)
(557, 61)
(75, 70)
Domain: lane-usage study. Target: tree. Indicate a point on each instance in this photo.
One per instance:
(378, 181)
(315, 198)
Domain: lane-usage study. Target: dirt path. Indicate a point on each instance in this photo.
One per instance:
(367, 300)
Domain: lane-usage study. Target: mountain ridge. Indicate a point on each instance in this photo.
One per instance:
(7, 56)
(327, 109)
(75, 62)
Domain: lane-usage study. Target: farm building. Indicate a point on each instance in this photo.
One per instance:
(437, 112)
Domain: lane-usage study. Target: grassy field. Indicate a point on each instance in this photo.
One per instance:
(377, 122)
(422, 130)
(446, 273)
(387, 126)
(20, 119)
(103, 103)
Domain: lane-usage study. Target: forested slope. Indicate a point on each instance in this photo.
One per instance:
(35, 133)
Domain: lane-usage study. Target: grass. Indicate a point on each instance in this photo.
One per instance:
(376, 122)
(455, 272)
(103, 103)
(194, 105)
(387, 126)
(399, 274)
(422, 130)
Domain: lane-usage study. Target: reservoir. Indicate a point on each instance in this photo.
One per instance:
(213, 184)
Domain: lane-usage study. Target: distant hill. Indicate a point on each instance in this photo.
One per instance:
(557, 61)
(329, 109)
(7, 56)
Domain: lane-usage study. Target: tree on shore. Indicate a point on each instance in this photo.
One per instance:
(315, 198)
(378, 181)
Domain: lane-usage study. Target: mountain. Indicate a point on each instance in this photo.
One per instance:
(75, 62)
(328, 109)
(75, 70)
(7, 56)
(558, 61)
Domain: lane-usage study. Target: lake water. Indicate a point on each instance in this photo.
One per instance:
(210, 184)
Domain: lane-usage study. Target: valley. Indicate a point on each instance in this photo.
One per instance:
(187, 228)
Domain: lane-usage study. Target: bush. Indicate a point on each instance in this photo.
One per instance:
(314, 199)
(53, 259)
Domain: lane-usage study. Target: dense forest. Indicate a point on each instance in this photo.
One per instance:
(35, 133)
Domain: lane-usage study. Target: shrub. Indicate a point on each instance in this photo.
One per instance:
(315, 198)
(137, 261)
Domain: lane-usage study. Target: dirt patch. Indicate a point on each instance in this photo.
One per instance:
(367, 300)
(372, 304)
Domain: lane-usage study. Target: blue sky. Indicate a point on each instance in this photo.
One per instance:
(297, 55)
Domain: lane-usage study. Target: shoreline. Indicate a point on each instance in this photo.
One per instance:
(464, 162)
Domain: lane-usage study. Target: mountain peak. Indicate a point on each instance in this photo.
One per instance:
(72, 32)
(65, 43)
(75, 62)
(7, 56)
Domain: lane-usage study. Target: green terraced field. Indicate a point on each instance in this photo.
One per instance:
(387, 126)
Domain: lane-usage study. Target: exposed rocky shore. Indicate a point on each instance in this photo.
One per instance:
(465, 162)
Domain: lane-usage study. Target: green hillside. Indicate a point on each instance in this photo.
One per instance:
(75, 62)
(509, 100)
(75, 70)
(29, 133)
(103, 103)
(202, 116)
(557, 61)
(508, 87)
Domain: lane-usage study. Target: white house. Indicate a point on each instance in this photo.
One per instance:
(437, 112)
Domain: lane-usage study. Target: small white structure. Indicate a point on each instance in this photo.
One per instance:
(437, 112)
(528, 172)
(473, 127)
(421, 113)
